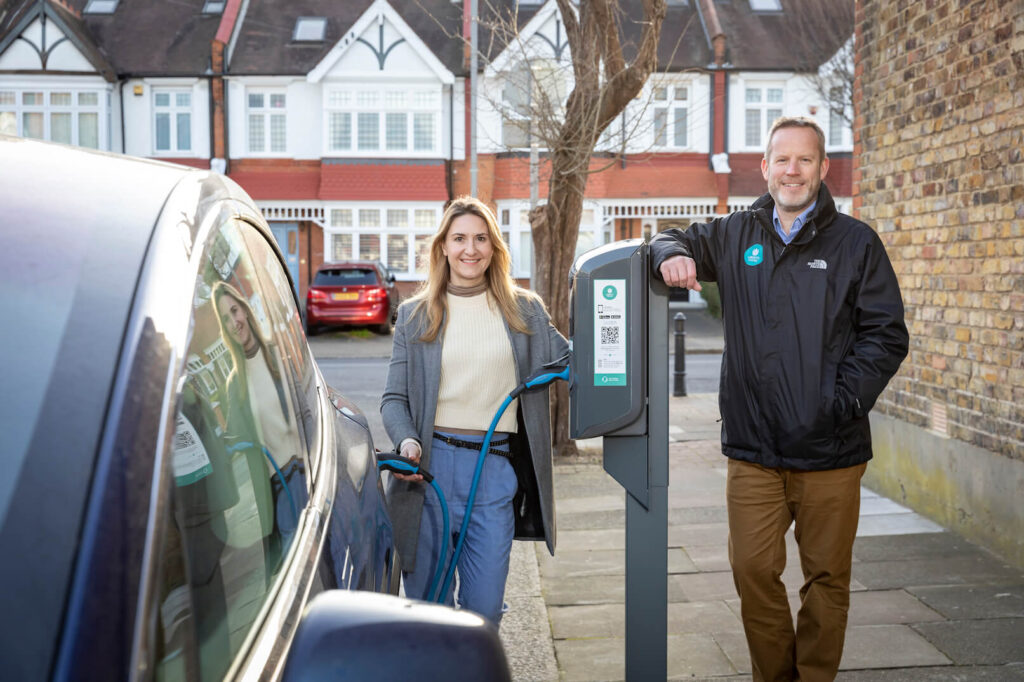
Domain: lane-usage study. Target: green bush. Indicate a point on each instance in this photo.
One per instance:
(709, 291)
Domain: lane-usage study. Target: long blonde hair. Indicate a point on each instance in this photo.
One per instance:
(430, 300)
(219, 291)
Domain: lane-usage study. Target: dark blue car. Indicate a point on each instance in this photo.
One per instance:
(182, 495)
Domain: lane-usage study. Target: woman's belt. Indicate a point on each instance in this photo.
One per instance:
(470, 445)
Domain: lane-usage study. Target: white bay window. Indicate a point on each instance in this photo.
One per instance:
(398, 236)
(65, 116)
(384, 122)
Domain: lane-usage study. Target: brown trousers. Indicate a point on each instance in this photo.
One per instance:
(825, 505)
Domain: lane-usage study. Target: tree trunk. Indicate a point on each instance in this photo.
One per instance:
(604, 84)
(555, 227)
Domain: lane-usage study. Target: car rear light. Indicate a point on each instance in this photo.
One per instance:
(377, 294)
(316, 296)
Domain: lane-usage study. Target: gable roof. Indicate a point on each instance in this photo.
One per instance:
(16, 19)
(265, 45)
(380, 11)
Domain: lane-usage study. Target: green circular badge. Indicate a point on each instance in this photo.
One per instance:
(609, 292)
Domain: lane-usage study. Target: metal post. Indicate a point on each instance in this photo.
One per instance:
(679, 369)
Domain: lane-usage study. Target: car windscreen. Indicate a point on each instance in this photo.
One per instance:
(345, 277)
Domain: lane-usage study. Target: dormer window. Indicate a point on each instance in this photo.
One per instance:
(310, 29)
(765, 6)
(101, 7)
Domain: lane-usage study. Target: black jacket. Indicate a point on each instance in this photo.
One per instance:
(813, 331)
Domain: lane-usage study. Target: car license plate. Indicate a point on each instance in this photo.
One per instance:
(347, 296)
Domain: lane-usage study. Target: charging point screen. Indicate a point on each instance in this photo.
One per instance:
(609, 332)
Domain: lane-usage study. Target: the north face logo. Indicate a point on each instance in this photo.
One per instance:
(817, 264)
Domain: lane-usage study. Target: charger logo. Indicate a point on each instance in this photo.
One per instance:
(754, 255)
(817, 264)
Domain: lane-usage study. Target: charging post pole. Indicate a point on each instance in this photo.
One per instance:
(619, 390)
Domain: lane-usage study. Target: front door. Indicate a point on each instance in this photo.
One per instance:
(287, 236)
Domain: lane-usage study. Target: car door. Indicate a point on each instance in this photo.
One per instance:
(232, 561)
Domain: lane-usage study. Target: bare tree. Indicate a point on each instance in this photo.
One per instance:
(604, 82)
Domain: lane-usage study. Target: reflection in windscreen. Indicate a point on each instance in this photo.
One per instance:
(239, 459)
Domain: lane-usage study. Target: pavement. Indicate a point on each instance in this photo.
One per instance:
(925, 603)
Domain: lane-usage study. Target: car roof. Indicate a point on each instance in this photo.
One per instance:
(350, 264)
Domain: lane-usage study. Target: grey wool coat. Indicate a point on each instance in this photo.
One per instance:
(409, 404)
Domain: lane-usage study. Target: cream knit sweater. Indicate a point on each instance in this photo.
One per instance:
(477, 366)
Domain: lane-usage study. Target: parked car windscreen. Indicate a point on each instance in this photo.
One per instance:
(345, 277)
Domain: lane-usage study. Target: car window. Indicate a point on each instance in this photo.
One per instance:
(345, 277)
(239, 456)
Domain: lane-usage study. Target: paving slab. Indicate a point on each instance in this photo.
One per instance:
(704, 586)
(689, 657)
(608, 620)
(591, 589)
(578, 563)
(694, 515)
(1009, 673)
(950, 570)
(598, 539)
(590, 503)
(967, 602)
(901, 523)
(889, 607)
(698, 534)
(888, 646)
(734, 646)
(589, 520)
(913, 546)
(702, 617)
(978, 642)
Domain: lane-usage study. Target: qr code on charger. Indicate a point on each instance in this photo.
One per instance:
(609, 335)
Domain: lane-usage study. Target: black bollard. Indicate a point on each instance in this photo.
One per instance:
(679, 371)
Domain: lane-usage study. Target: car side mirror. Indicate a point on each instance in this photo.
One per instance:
(346, 635)
(391, 276)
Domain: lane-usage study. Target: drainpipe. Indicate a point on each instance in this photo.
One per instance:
(473, 41)
(120, 89)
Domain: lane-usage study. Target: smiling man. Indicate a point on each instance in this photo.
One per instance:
(814, 330)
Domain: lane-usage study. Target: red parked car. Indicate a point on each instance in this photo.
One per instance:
(352, 293)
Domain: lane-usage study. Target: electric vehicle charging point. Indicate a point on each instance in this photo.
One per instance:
(618, 329)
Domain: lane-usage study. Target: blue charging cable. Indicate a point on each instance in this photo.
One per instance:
(538, 380)
(402, 465)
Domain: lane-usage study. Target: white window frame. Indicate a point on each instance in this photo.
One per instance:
(357, 101)
(18, 108)
(837, 126)
(763, 107)
(173, 109)
(671, 106)
(416, 222)
(267, 112)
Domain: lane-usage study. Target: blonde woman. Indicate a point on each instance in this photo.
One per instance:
(461, 344)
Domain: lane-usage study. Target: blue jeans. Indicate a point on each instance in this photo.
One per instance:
(483, 564)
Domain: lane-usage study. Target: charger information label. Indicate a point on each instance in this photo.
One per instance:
(609, 332)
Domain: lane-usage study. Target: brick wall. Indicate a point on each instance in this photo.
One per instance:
(939, 172)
